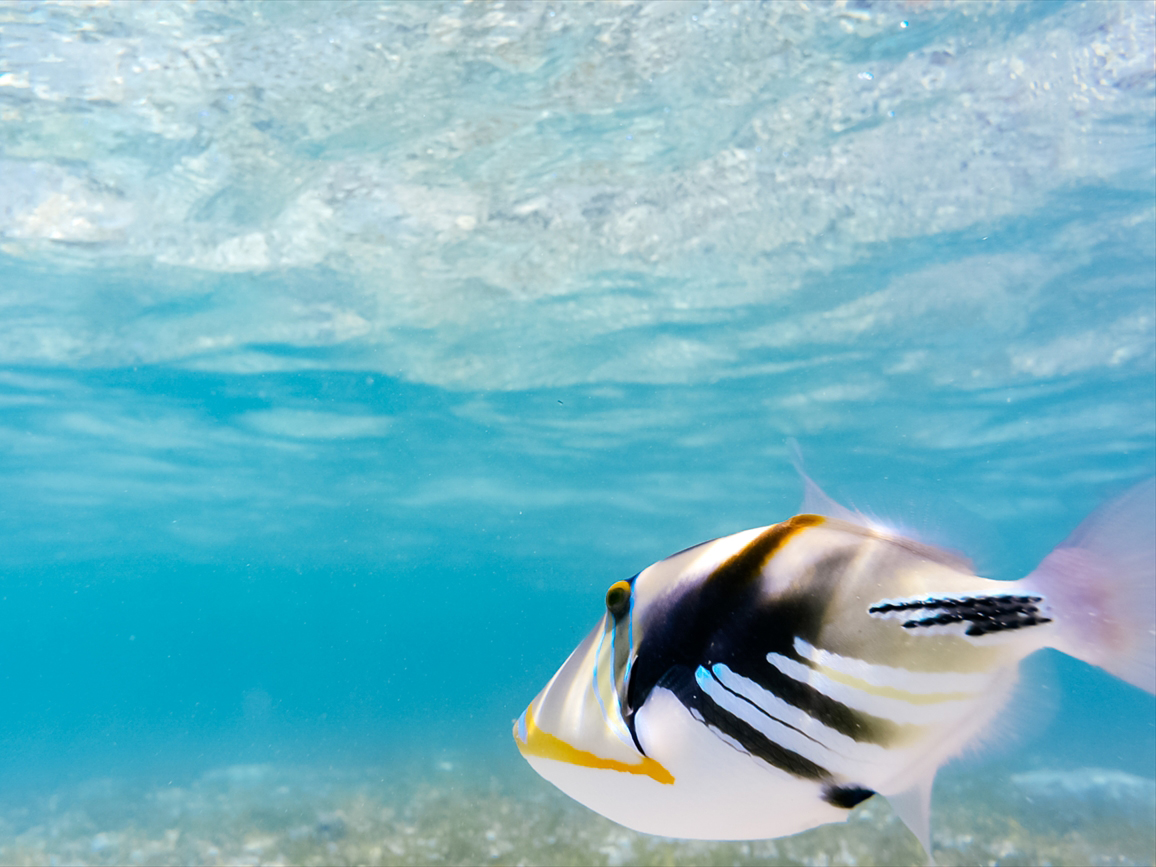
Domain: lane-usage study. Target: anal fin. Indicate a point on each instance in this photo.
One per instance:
(913, 806)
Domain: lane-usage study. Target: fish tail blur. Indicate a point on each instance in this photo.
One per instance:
(1100, 584)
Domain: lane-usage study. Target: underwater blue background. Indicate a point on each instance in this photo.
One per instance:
(349, 351)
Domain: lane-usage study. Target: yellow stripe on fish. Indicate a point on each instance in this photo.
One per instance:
(536, 742)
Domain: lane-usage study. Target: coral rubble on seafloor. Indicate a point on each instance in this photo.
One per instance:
(450, 813)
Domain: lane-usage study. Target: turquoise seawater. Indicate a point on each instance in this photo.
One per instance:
(349, 351)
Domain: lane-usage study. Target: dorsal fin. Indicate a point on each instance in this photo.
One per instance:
(815, 501)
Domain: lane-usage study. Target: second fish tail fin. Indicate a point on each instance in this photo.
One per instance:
(1100, 587)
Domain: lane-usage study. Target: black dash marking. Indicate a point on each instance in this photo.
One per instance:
(980, 602)
(986, 614)
(846, 796)
(1004, 625)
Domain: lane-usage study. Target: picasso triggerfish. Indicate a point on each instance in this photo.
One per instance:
(767, 682)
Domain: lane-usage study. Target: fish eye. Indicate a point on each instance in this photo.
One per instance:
(618, 598)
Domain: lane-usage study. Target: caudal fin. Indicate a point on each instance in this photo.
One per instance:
(1100, 585)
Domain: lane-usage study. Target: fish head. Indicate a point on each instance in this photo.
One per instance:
(578, 732)
(575, 732)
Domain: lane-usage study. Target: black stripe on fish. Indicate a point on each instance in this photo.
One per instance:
(772, 626)
(985, 614)
(726, 619)
(681, 682)
(857, 725)
(763, 710)
(684, 628)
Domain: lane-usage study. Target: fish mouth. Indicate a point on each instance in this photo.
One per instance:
(533, 742)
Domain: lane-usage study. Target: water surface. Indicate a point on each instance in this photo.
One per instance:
(349, 351)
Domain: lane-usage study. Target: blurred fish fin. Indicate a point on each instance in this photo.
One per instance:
(815, 501)
(1100, 584)
(913, 806)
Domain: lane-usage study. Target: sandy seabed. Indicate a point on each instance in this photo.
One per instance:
(451, 812)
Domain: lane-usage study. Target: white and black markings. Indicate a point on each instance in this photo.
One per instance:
(709, 647)
(726, 621)
(983, 614)
(751, 739)
(750, 728)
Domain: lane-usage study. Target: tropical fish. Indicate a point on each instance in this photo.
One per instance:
(767, 682)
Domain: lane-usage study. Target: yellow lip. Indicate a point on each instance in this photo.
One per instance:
(547, 746)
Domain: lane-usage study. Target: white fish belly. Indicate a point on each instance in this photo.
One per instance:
(719, 792)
